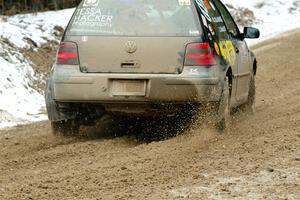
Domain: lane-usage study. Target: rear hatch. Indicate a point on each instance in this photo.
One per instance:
(133, 36)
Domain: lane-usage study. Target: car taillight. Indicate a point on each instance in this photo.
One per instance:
(67, 54)
(199, 54)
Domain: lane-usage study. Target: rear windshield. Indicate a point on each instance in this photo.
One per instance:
(135, 18)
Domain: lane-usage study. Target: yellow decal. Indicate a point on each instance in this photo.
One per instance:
(217, 48)
(227, 51)
(222, 50)
(231, 52)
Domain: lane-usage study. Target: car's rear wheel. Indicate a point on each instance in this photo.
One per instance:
(65, 128)
(224, 118)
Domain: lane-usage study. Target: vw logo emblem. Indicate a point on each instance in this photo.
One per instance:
(130, 47)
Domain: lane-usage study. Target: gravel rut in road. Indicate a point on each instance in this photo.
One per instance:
(258, 158)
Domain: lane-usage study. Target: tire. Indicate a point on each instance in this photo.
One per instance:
(65, 128)
(224, 118)
(250, 105)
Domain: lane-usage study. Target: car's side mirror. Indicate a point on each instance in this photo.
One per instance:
(251, 33)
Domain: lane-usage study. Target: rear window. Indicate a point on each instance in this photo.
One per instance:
(135, 18)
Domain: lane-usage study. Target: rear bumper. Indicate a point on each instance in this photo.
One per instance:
(200, 85)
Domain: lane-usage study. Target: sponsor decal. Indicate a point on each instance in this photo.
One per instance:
(211, 29)
(212, 5)
(184, 2)
(92, 17)
(217, 19)
(203, 9)
(194, 71)
(227, 51)
(222, 29)
(194, 32)
(91, 3)
(204, 21)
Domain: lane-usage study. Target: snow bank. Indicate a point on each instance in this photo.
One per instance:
(38, 27)
(273, 16)
(19, 101)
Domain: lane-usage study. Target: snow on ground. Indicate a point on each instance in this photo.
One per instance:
(273, 16)
(37, 27)
(21, 103)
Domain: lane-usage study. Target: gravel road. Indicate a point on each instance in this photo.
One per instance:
(258, 158)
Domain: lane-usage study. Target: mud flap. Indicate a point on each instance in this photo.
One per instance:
(54, 112)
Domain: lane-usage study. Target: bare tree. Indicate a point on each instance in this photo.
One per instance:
(37, 5)
(2, 6)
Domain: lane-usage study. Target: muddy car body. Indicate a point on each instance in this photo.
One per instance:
(149, 58)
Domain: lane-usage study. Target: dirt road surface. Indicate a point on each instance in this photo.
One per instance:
(259, 157)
